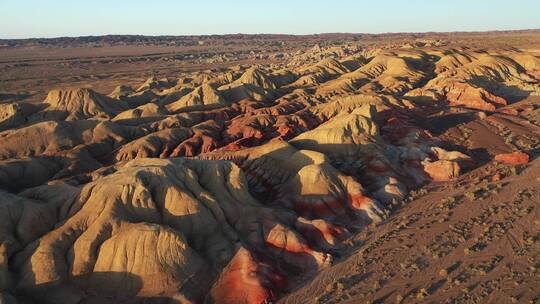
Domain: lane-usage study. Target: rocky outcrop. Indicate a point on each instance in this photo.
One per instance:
(11, 115)
(514, 158)
(442, 170)
(160, 225)
(202, 97)
(257, 77)
(477, 98)
(78, 104)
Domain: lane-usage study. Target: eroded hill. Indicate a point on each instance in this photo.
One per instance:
(256, 183)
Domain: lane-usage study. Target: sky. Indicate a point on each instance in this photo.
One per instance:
(58, 18)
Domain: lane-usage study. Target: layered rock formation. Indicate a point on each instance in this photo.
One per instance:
(229, 186)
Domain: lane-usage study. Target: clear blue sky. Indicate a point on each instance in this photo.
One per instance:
(53, 18)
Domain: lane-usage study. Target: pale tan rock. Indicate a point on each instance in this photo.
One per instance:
(442, 170)
(203, 96)
(77, 104)
(11, 115)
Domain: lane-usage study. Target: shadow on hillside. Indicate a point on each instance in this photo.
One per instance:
(9, 97)
(511, 93)
(439, 124)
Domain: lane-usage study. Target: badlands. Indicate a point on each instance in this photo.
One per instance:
(398, 168)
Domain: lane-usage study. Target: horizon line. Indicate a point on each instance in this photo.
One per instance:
(280, 34)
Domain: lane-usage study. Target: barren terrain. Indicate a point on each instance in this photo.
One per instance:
(336, 168)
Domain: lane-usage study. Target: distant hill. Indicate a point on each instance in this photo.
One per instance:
(187, 40)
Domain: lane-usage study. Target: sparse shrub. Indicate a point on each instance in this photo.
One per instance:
(470, 195)
(422, 294)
